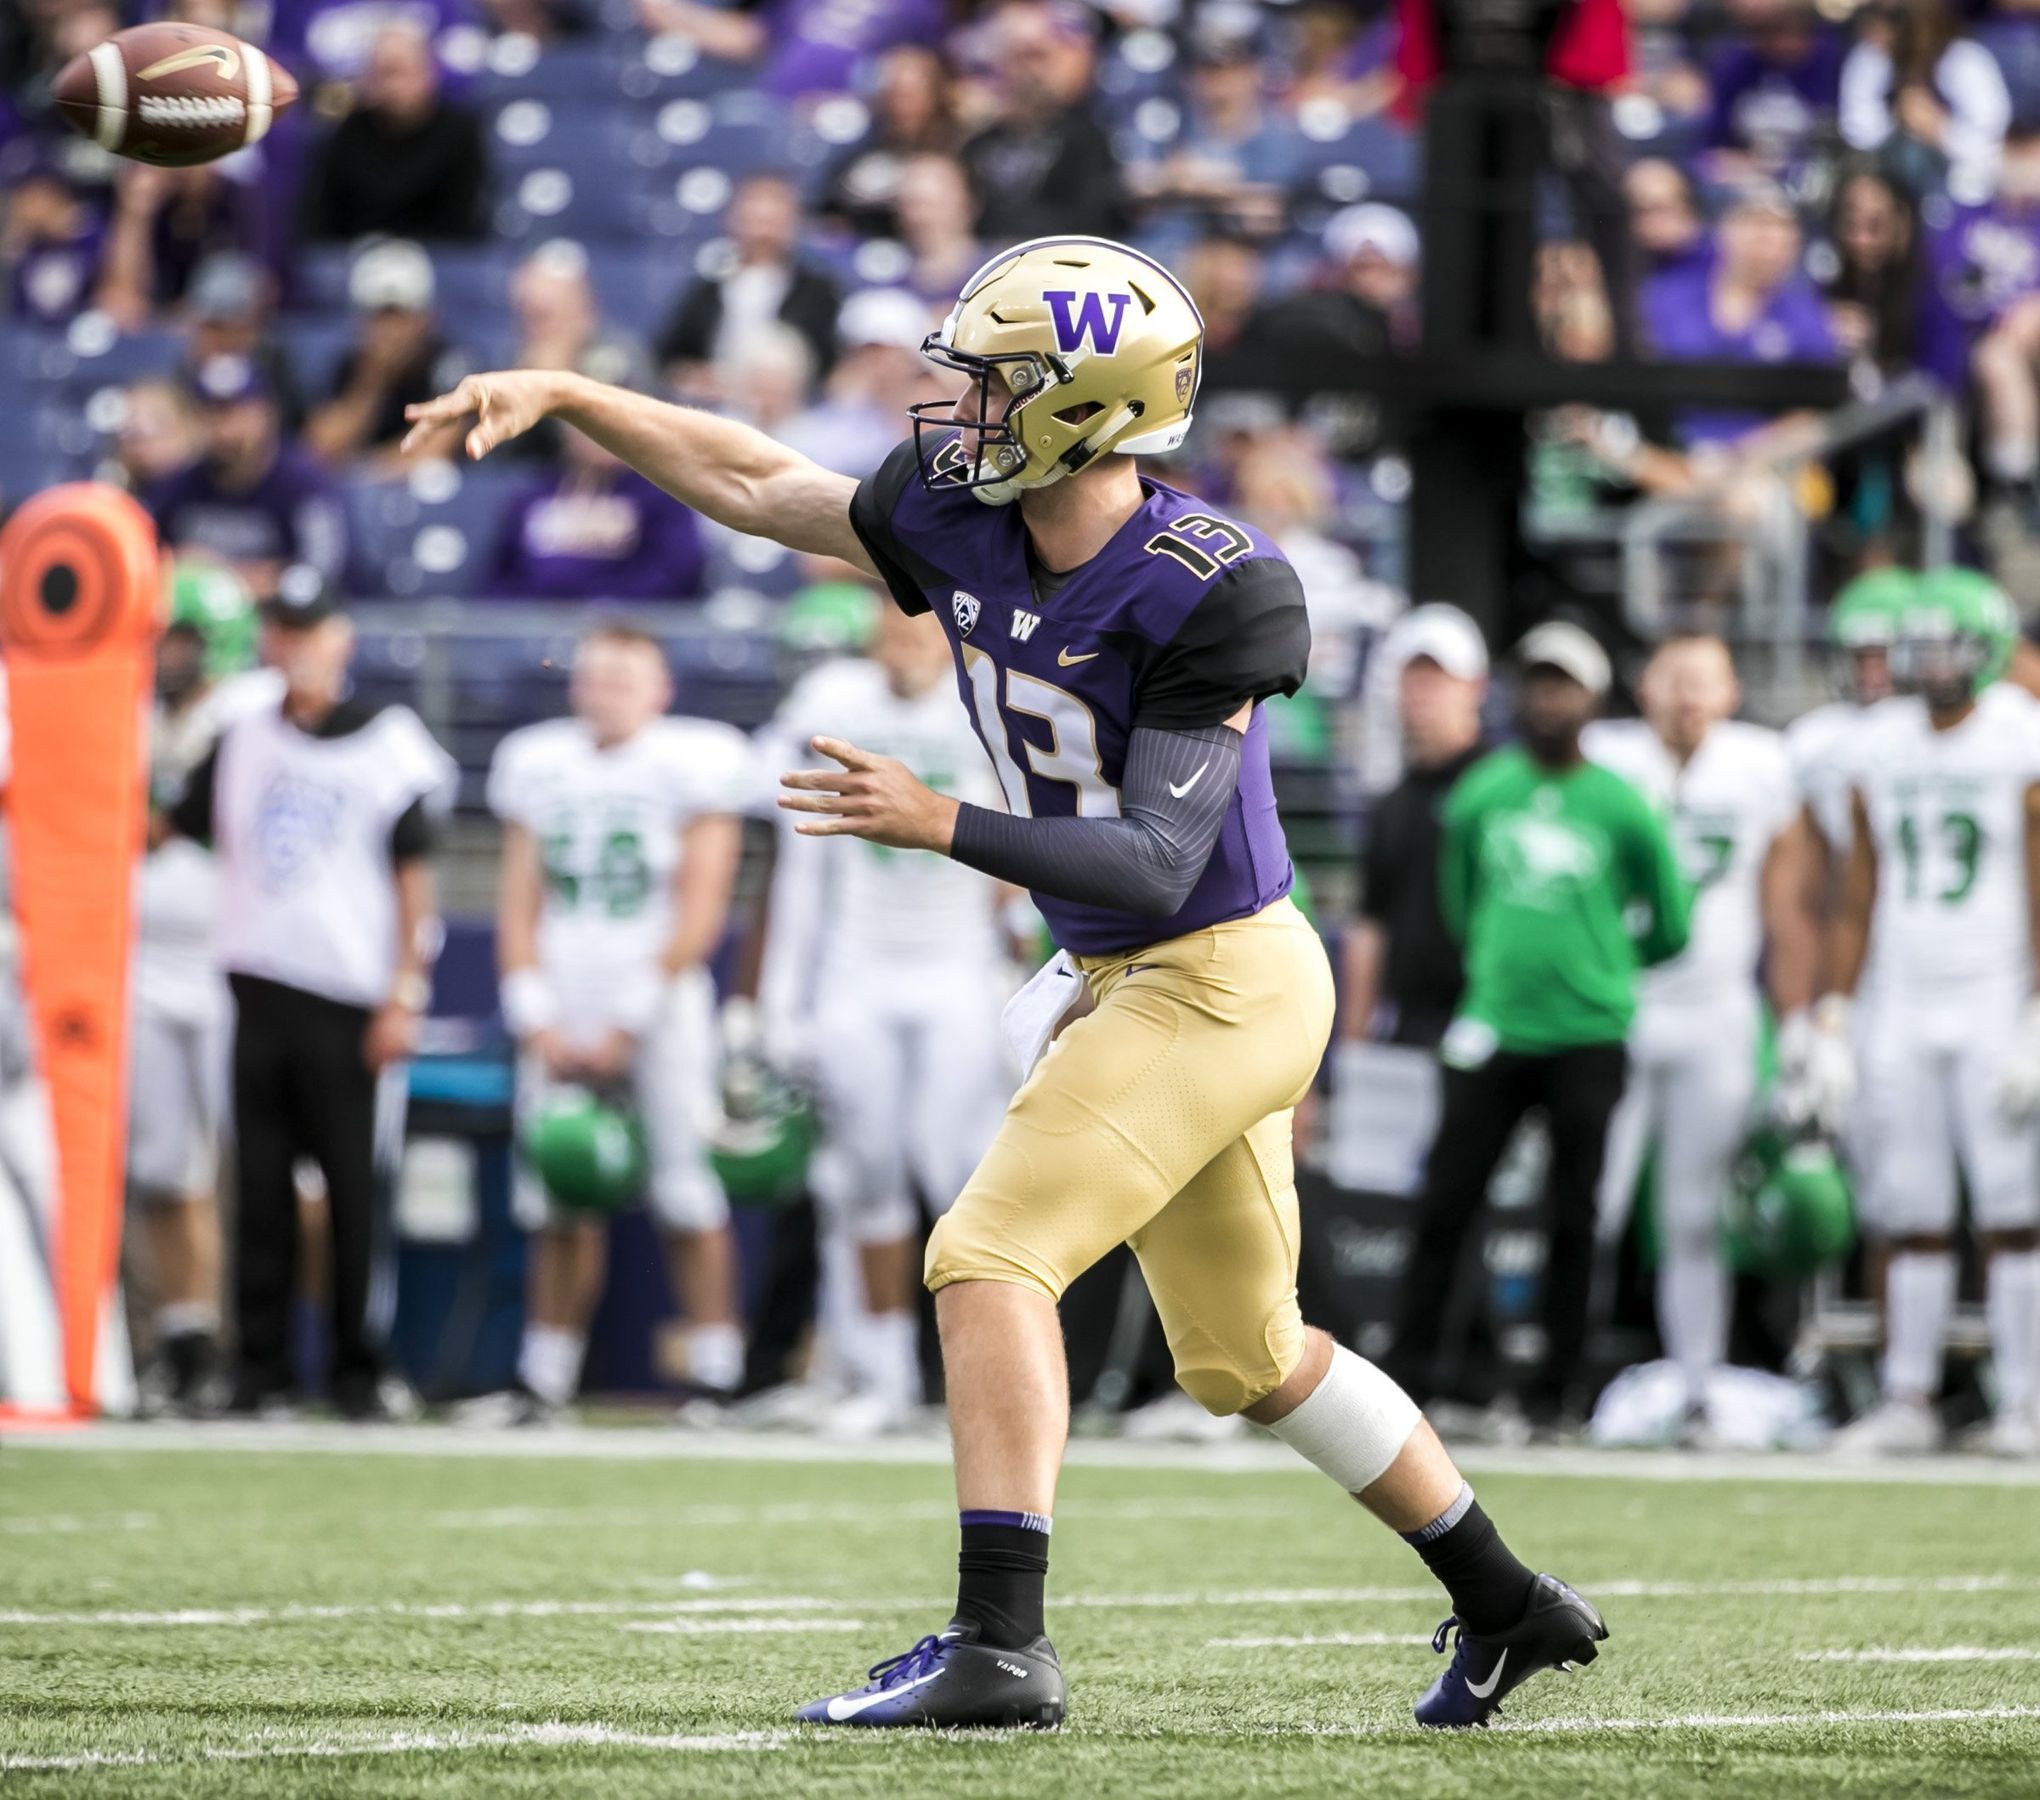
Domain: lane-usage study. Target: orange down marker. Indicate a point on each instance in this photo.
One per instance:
(81, 598)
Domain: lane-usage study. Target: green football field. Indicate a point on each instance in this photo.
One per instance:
(633, 1612)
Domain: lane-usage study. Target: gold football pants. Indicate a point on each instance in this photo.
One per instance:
(1161, 1120)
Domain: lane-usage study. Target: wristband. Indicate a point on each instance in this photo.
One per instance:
(527, 1001)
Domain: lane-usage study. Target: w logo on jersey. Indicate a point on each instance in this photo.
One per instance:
(1087, 320)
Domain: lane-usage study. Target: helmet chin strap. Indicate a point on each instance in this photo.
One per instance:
(1079, 455)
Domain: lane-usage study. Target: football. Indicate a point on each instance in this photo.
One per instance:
(173, 94)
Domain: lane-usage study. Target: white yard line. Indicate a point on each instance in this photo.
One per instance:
(740, 1627)
(1344, 1640)
(417, 1609)
(755, 1605)
(560, 1736)
(76, 1524)
(1244, 1456)
(550, 1736)
(740, 1516)
(1923, 1653)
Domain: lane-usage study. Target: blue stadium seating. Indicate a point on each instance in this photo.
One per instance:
(415, 537)
(588, 73)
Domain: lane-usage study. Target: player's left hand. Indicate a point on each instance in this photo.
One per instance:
(2018, 1083)
(392, 1035)
(873, 797)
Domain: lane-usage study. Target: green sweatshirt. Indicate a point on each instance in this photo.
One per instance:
(1559, 885)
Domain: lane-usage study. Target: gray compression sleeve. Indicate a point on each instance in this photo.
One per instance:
(1173, 798)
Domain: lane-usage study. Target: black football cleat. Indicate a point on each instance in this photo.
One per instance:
(1558, 1630)
(952, 1680)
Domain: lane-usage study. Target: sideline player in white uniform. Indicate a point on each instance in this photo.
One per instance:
(183, 1015)
(1728, 792)
(621, 832)
(1944, 855)
(885, 970)
(1816, 1068)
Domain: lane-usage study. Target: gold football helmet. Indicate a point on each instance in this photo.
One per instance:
(1078, 346)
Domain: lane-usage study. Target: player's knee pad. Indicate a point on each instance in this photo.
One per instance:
(1353, 1424)
(1223, 1390)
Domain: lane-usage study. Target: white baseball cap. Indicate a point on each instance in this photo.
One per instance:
(1444, 635)
(1372, 226)
(393, 273)
(891, 317)
(1569, 650)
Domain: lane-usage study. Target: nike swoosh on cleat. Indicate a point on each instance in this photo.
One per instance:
(1068, 661)
(1179, 792)
(1478, 1689)
(848, 1706)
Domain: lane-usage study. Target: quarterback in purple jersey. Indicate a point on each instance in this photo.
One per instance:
(1113, 642)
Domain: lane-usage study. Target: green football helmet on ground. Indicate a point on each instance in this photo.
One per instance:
(589, 1153)
(1790, 1211)
(1863, 627)
(760, 1146)
(1957, 635)
(215, 603)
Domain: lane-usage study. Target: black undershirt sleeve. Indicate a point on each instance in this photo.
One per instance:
(871, 512)
(1173, 798)
(192, 815)
(411, 836)
(1247, 638)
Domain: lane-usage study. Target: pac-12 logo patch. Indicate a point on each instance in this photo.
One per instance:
(966, 608)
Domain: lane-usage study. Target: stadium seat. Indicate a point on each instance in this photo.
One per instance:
(315, 343)
(671, 68)
(428, 534)
(580, 73)
(1359, 159)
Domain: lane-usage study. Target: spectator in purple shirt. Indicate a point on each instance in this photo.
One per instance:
(597, 529)
(804, 48)
(1776, 87)
(1753, 303)
(50, 247)
(250, 500)
(1984, 289)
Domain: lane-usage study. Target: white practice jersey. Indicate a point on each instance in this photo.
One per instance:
(177, 899)
(1725, 809)
(1947, 819)
(1822, 746)
(868, 903)
(608, 825)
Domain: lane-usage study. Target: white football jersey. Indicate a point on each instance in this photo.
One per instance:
(1725, 808)
(905, 907)
(1822, 746)
(608, 825)
(1947, 819)
(177, 896)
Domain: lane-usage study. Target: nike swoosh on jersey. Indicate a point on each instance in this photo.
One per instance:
(1067, 661)
(1179, 792)
(848, 1706)
(1478, 1689)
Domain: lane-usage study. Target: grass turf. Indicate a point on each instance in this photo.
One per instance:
(393, 1631)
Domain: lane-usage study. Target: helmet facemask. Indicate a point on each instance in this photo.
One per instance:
(986, 454)
(1944, 666)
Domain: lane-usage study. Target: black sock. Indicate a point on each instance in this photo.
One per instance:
(1461, 1546)
(1000, 1574)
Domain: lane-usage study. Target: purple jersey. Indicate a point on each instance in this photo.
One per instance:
(1979, 260)
(291, 514)
(1182, 619)
(1678, 319)
(1774, 109)
(623, 539)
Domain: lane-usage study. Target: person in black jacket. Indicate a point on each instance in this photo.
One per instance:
(1045, 165)
(765, 282)
(404, 163)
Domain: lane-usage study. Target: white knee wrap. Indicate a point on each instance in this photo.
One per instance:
(1354, 1423)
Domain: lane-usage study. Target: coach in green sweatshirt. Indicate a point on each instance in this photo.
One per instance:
(1560, 882)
